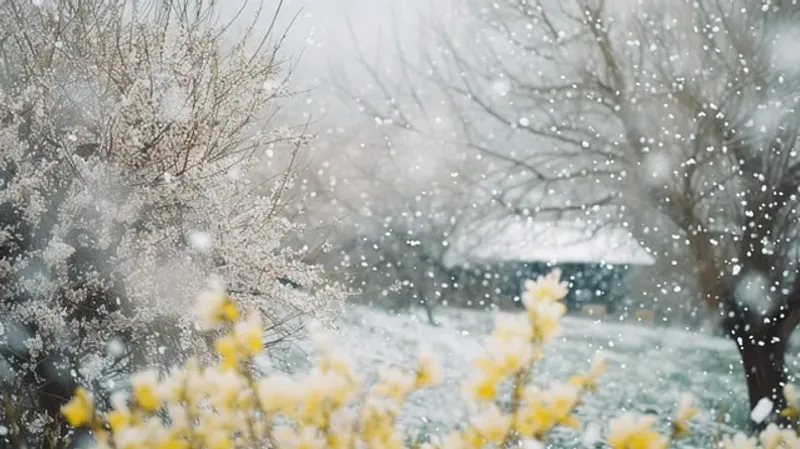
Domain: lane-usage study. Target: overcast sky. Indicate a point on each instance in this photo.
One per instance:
(321, 30)
(322, 35)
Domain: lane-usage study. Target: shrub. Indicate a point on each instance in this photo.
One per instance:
(225, 405)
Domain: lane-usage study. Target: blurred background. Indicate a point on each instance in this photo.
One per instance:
(449, 192)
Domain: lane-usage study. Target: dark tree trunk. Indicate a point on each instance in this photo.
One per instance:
(764, 368)
(762, 341)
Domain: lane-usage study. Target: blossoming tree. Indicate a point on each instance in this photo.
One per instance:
(130, 133)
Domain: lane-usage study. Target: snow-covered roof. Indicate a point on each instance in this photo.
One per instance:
(537, 241)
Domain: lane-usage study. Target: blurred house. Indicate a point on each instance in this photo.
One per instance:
(492, 261)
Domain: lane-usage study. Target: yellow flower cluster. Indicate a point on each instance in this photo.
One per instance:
(512, 349)
(771, 438)
(542, 299)
(225, 406)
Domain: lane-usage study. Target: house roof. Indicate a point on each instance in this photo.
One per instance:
(537, 241)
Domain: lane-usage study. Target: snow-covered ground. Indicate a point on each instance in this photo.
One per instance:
(648, 367)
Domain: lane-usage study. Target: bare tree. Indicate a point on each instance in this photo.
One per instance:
(676, 120)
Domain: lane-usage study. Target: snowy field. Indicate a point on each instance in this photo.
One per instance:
(648, 367)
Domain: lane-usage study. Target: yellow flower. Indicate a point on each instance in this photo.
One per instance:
(513, 355)
(218, 439)
(216, 307)
(394, 383)
(648, 440)
(229, 351)
(739, 441)
(246, 341)
(546, 317)
(339, 439)
(543, 410)
(684, 413)
(501, 359)
(488, 364)
(473, 439)
(249, 335)
(313, 397)
(492, 424)
(146, 390)
(545, 289)
(337, 362)
(429, 369)
(377, 420)
(790, 438)
(392, 441)
(562, 399)
(533, 421)
(589, 381)
(582, 381)
(771, 437)
(119, 419)
(79, 411)
(331, 385)
(535, 418)
(341, 390)
(792, 409)
(482, 388)
(635, 432)
(172, 442)
(224, 389)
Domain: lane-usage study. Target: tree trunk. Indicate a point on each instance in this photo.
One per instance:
(762, 341)
(764, 368)
(429, 313)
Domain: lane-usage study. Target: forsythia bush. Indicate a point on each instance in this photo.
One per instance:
(227, 406)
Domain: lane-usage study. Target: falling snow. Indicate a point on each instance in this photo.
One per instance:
(200, 240)
(762, 410)
(427, 157)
